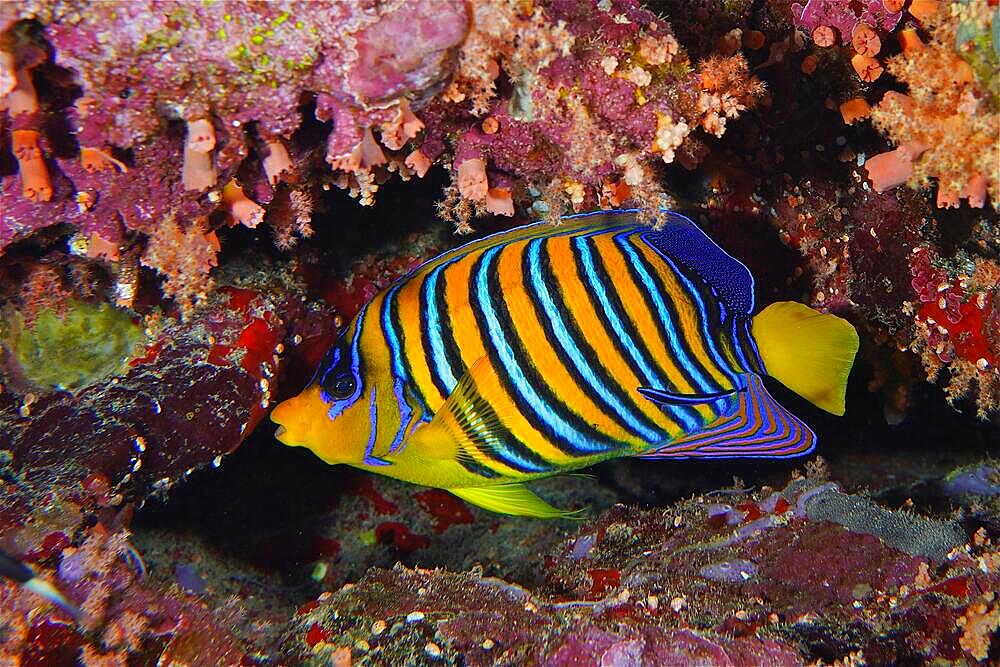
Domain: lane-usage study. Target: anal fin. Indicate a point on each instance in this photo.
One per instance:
(757, 427)
(514, 499)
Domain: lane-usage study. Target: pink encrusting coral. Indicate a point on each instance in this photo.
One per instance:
(178, 95)
(177, 109)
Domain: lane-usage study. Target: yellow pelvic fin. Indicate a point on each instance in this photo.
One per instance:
(514, 499)
(809, 352)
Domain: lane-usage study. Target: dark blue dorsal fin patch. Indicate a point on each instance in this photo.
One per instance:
(685, 243)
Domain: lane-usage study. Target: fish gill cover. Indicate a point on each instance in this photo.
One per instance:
(195, 197)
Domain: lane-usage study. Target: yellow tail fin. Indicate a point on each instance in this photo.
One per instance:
(809, 352)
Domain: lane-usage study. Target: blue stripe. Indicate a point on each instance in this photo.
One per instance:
(391, 338)
(373, 415)
(398, 372)
(512, 366)
(650, 378)
(567, 344)
(703, 313)
(438, 356)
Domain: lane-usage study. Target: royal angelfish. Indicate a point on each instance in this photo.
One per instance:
(547, 348)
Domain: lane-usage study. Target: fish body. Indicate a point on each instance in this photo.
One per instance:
(18, 572)
(546, 349)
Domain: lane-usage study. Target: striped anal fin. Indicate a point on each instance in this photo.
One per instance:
(756, 426)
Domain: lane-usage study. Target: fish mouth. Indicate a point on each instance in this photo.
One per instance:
(281, 415)
(292, 418)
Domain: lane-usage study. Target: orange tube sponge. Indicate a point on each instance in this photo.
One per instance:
(21, 99)
(418, 162)
(824, 36)
(500, 202)
(241, 208)
(865, 40)
(854, 110)
(472, 182)
(887, 170)
(975, 191)
(199, 171)
(924, 9)
(277, 163)
(867, 67)
(35, 182)
(402, 128)
(94, 160)
(909, 40)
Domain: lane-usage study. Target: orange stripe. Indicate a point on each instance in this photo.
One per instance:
(689, 317)
(575, 294)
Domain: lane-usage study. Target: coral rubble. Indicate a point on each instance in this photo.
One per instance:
(782, 583)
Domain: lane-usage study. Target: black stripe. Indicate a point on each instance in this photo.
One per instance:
(747, 344)
(477, 468)
(401, 336)
(672, 313)
(452, 355)
(532, 376)
(579, 340)
(425, 339)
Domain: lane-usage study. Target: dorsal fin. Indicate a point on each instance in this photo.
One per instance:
(683, 242)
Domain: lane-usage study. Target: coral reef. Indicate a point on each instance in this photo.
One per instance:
(647, 586)
(154, 117)
(181, 241)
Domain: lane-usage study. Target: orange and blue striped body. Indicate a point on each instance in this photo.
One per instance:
(574, 319)
(545, 349)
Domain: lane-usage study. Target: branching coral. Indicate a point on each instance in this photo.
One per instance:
(576, 110)
(948, 127)
(183, 254)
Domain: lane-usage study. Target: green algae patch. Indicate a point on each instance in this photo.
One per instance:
(70, 350)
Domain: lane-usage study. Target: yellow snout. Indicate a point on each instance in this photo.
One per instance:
(296, 418)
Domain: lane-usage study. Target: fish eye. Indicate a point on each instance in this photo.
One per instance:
(343, 386)
(339, 375)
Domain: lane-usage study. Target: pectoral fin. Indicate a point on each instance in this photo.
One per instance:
(470, 426)
(514, 499)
